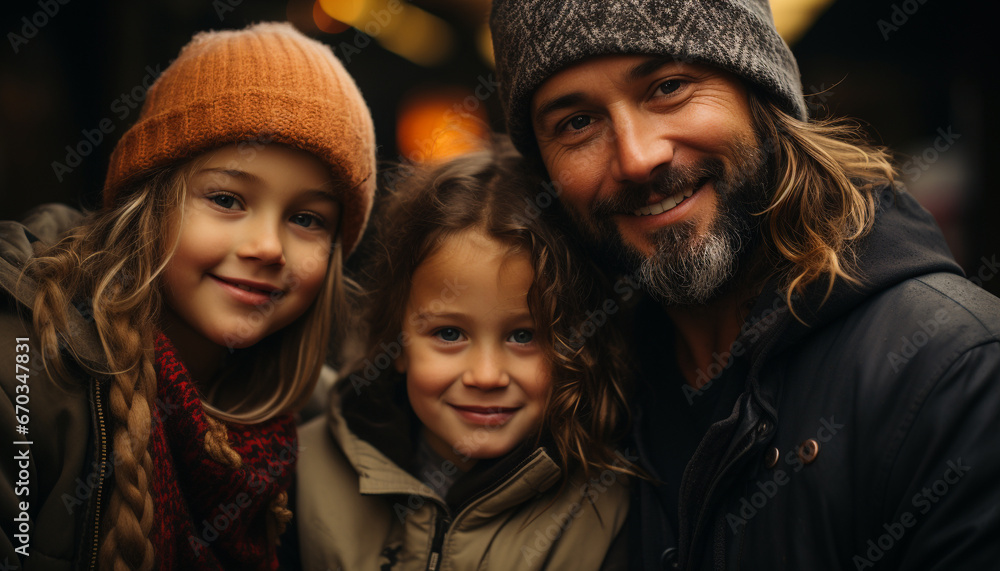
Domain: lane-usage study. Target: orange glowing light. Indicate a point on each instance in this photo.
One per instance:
(440, 125)
(324, 22)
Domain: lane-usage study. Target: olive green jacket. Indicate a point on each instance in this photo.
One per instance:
(358, 510)
(55, 481)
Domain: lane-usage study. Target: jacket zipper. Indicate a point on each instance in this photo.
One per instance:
(440, 530)
(703, 515)
(754, 374)
(103, 452)
(444, 522)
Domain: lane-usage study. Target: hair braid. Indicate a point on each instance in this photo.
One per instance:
(128, 347)
(217, 444)
(129, 518)
(279, 512)
(106, 270)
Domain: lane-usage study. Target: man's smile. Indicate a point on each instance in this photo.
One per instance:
(669, 202)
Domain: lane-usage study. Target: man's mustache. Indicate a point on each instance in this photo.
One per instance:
(669, 181)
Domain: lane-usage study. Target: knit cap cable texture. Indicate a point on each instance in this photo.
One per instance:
(533, 39)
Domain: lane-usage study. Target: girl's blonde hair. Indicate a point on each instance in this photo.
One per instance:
(109, 266)
(494, 191)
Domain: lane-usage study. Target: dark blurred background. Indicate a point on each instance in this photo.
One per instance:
(919, 74)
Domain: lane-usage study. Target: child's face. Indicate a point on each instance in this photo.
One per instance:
(254, 245)
(475, 377)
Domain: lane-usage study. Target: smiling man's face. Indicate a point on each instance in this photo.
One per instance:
(658, 161)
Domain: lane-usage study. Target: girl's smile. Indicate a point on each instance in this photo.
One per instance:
(476, 377)
(248, 292)
(253, 248)
(485, 415)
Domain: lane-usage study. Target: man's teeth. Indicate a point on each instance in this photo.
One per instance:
(244, 287)
(664, 205)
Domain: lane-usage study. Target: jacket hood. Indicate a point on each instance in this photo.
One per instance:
(905, 242)
(44, 226)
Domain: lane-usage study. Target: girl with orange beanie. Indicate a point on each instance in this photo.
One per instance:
(154, 356)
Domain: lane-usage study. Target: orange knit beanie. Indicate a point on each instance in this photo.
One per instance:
(267, 83)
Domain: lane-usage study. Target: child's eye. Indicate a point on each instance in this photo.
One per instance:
(449, 334)
(306, 220)
(522, 336)
(226, 200)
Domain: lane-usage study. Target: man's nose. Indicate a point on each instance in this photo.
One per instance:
(640, 148)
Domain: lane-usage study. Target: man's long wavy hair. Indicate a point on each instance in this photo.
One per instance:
(109, 267)
(493, 191)
(826, 176)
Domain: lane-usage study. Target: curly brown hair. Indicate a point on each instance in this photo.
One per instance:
(495, 191)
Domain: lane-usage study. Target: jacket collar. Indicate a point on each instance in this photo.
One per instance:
(489, 488)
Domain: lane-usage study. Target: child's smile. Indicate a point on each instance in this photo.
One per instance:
(485, 415)
(253, 250)
(475, 376)
(248, 291)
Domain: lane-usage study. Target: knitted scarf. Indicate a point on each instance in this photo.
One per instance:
(210, 515)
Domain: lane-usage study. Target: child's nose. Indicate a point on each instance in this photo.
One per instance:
(263, 243)
(487, 370)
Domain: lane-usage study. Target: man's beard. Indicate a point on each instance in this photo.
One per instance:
(687, 269)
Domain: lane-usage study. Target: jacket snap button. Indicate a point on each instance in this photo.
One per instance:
(762, 429)
(669, 558)
(808, 451)
(771, 458)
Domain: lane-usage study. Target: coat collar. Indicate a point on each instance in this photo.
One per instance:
(491, 487)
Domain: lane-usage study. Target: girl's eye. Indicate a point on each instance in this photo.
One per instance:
(669, 86)
(224, 200)
(306, 220)
(578, 122)
(522, 336)
(449, 334)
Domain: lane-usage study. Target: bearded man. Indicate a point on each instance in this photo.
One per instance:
(818, 384)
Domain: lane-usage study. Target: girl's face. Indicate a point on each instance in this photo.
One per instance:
(253, 248)
(474, 374)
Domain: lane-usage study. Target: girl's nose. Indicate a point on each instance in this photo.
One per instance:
(486, 370)
(263, 244)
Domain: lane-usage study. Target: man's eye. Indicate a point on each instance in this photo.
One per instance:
(522, 336)
(669, 86)
(449, 334)
(578, 122)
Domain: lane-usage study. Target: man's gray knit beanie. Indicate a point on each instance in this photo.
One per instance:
(533, 39)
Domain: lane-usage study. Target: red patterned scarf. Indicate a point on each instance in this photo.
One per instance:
(210, 515)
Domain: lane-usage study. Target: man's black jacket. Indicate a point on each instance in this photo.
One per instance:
(867, 438)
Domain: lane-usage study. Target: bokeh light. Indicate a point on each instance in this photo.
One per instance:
(444, 123)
